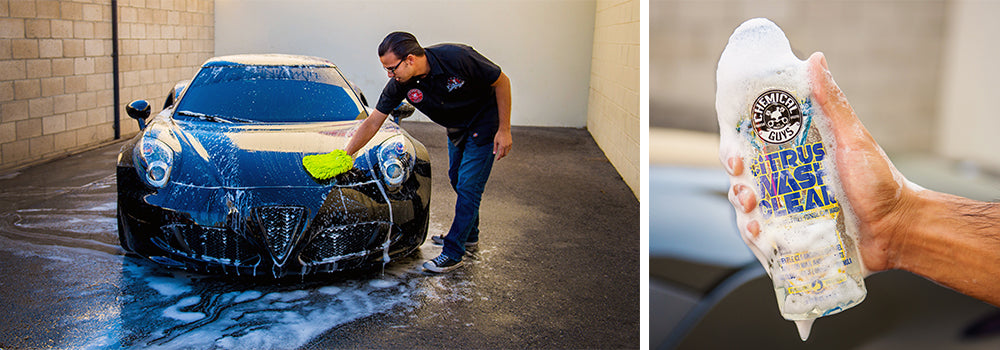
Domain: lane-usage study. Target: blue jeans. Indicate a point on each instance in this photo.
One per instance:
(469, 168)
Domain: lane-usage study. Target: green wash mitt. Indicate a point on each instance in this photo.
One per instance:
(326, 166)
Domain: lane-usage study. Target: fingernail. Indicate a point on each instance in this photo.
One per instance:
(735, 198)
(753, 228)
(735, 166)
(745, 198)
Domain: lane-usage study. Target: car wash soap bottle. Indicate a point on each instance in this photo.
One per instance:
(767, 117)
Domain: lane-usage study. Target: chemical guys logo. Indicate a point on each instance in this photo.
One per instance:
(777, 116)
(454, 83)
(415, 95)
(793, 180)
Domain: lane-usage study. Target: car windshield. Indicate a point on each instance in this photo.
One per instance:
(270, 94)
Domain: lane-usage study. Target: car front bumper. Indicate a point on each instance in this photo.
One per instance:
(273, 231)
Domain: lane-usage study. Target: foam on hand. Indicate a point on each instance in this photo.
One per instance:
(766, 117)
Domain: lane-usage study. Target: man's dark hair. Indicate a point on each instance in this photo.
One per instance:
(401, 44)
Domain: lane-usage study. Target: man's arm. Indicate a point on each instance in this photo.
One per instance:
(503, 141)
(366, 130)
(953, 241)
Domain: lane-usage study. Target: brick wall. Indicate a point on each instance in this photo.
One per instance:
(56, 81)
(613, 105)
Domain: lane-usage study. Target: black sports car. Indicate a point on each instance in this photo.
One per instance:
(214, 183)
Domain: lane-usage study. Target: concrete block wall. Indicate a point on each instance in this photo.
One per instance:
(162, 42)
(56, 81)
(613, 104)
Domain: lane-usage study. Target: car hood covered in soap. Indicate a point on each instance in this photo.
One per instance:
(257, 155)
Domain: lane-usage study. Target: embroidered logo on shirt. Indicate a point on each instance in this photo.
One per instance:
(454, 83)
(415, 95)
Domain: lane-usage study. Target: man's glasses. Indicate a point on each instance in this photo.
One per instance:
(393, 69)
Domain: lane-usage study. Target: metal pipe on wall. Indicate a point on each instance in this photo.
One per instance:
(114, 67)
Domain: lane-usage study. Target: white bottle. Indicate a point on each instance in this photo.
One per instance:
(766, 116)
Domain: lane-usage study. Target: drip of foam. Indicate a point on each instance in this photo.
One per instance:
(388, 236)
(805, 327)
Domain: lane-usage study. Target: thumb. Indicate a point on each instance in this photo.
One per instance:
(832, 100)
(828, 94)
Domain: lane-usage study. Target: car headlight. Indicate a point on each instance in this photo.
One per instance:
(153, 161)
(395, 160)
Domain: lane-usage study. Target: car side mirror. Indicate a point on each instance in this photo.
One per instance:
(138, 110)
(403, 111)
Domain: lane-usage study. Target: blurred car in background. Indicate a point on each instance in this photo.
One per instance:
(707, 290)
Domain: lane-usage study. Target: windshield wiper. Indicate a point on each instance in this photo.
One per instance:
(214, 118)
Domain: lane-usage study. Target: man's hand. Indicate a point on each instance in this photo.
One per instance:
(950, 240)
(874, 188)
(502, 143)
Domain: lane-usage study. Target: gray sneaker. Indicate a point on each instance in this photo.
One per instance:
(442, 263)
(439, 240)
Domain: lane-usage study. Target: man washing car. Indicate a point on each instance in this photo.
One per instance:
(458, 88)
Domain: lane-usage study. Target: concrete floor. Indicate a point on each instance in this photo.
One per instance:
(558, 262)
(557, 267)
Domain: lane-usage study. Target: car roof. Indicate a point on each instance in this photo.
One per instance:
(267, 60)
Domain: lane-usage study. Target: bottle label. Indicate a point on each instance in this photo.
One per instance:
(821, 267)
(777, 116)
(793, 181)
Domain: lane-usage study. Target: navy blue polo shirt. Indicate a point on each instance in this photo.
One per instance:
(457, 93)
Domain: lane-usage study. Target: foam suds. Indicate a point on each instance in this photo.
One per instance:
(329, 290)
(199, 313)
(168, 286)
(381, 283)
(767, 117)
(114, 301)
(247, 296)
(175, 312)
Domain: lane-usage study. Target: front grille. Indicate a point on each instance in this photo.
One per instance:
(340, 241)
(280, 226)
(201, 242)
